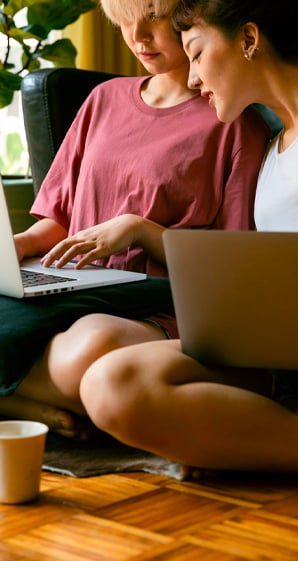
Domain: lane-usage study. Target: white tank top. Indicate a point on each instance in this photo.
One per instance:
(276, 203)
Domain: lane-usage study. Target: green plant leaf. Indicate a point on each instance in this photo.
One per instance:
(14, 6)
(29, 62)
(29, 32)
(2, 22)
(6, 96)
(35, 31)
(9, 83)
(10, 80)
(43, 16)
(57, 14)
(61, 53)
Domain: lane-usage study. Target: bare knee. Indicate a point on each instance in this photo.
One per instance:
(125, 393)
(93, 335)
(114, 396)
(72, 352)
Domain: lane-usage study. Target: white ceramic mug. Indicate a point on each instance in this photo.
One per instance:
(22, 446)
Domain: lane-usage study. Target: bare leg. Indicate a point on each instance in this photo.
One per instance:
(50, 391)
(153, 397)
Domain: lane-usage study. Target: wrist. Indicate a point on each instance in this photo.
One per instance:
(22, 245)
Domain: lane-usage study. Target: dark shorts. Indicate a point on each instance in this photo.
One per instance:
(27, 325)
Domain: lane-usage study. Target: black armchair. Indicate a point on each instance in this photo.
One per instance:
(51, 98)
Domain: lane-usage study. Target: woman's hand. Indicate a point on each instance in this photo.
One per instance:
(104, 240)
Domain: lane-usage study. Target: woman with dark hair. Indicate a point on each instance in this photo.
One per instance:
(154, 397)
(131, 165)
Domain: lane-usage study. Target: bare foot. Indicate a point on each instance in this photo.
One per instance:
(58, 420)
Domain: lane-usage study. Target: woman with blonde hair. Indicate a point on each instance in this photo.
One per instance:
(133, 163)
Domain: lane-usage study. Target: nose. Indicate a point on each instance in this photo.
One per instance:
(141, 32)
(194, 81)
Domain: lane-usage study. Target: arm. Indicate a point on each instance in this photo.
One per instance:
(237, 209)
(108, 238)
(39, 238)
(251, 137)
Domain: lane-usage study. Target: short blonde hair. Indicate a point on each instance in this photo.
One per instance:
(126, 10)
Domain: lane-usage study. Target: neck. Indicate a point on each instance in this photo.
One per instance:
(167, 90)
(282, 94)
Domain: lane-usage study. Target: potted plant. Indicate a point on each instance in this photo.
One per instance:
(43, 16)
(32, 37)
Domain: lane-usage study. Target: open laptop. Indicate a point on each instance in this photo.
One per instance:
(32, 279)
(236, 296)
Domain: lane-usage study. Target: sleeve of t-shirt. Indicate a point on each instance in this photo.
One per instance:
(55, 197)
(237, 209)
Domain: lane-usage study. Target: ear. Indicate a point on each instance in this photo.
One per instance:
(250, 39)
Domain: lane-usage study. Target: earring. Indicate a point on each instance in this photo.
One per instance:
(250, 54)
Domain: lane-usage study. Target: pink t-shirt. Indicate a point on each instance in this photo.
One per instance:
(177, 166)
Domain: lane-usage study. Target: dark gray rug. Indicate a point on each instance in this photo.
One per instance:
(99, 456)
(105, 455)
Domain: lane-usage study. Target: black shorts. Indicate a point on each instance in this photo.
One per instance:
(27, 325)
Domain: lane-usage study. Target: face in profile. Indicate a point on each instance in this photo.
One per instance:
(218, 68)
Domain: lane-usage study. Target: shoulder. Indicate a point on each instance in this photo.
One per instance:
(121, 84)
(269, 117)
(110, 92)
(260, 118)
(249, 130)
(106, 96)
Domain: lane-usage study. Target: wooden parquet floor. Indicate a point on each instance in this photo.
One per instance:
(144, 517)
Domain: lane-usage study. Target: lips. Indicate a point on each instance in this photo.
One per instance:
(209, 96)
(146, 55)
(205, 93)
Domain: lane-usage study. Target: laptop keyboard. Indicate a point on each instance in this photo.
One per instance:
(32, 278)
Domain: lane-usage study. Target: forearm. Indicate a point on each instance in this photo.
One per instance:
(148, 235)
(103, 240)
(39, 238)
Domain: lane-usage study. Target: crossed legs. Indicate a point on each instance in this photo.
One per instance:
(151, 396)
(50, 391)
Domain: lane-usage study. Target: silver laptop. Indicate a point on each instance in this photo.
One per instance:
(32, 279)
(236, 296)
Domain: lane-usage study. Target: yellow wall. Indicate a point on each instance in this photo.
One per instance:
(101, 47)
